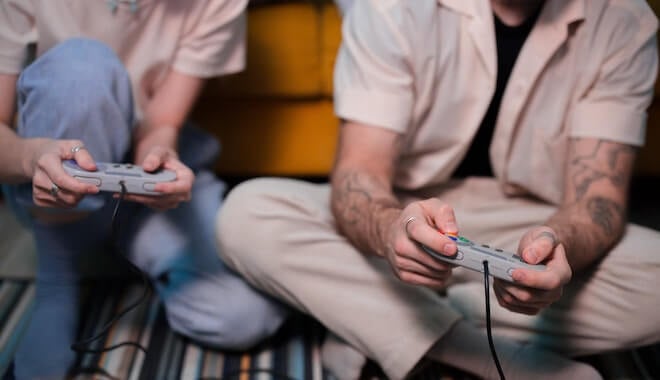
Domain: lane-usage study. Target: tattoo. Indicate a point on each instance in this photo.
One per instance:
(357, 202)
(605, 213)
(352, 195)
(587, 169)
(548, 235)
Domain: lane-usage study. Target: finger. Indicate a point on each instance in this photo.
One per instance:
(43, 202)
(442, 215)
(417, 279)
(43, 183)
(508, 302)
(67, 198)
(52, 168)
(409, 265)
(181, 187)
(184, 179)
(524, 297)
(419, 230)
(540, 247)
(155, 159)
(75, 150)
(545, 280)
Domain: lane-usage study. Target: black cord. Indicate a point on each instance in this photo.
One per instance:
(488, 325)
(81, 345)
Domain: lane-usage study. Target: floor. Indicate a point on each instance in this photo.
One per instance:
(292, 354)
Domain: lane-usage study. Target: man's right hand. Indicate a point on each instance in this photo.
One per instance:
(422, 222)
(51, 185)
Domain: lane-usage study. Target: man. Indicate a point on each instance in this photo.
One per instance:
(513, 123)
(114, 82)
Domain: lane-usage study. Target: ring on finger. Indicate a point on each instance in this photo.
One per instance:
(406, 223)
(54, 189)
(77, 149)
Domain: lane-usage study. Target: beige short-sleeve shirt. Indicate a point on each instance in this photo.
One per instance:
(427, 69)
(202, 38)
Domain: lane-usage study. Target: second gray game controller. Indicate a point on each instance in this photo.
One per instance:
(111, 176)
(472, 255)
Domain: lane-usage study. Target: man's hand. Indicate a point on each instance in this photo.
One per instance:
(422, 222)
(51, 185)
(532, 291)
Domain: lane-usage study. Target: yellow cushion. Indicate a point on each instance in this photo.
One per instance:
(276, 137)
(283, 54)
(330, 41)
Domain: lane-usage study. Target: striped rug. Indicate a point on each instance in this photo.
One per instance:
(292, 354)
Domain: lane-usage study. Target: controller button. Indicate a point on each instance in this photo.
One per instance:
(498, 250)
(452, 237)
(90, 180)
(485, 246)
(459, 255)
(149, 186)
(510, 272)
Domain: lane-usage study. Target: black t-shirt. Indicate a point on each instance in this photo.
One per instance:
(510, 40)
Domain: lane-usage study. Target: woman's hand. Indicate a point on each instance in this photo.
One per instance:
(51, 185)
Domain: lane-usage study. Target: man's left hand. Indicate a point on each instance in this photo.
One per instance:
(532, 290)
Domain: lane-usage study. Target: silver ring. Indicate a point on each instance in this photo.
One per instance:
(405, 225)
(77, 148)
(54, 190)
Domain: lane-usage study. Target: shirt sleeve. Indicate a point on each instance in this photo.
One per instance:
(17, 32)
(215, 43)
(373, 78)
(614, 108)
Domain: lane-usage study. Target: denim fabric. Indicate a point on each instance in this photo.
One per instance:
(80, 90)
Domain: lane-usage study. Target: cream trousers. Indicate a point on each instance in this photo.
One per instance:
(281, 236)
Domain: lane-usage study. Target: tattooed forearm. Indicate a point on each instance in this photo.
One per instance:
(592, 216)
(605, 160)
(358, 203)
(606, 214)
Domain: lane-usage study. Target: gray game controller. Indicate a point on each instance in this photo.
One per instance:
(472, 255)
(110, 176)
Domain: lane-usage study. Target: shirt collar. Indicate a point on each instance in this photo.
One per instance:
(560, 12)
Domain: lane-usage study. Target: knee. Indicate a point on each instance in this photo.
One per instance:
(227, 325)
(243, 215)
(76, 74)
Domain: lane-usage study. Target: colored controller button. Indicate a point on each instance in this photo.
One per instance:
(464, 240)
(452, 237)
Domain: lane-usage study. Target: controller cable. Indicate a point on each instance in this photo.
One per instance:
(488, 323)
(81, 346)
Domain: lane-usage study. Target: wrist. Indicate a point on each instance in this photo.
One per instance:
(147, 137)
(386, 227)
(162, 135)
(29, 149)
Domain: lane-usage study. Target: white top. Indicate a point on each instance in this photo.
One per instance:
(202, 38)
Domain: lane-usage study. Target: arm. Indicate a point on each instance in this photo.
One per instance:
(592, 215)
(11, 146)
(362, 200)
(38, 159)
(589, 221)
(156, 139)
(166, 112)
(604, 124)
(368, 213)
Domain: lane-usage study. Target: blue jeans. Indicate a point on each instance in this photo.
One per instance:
(80, 90)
